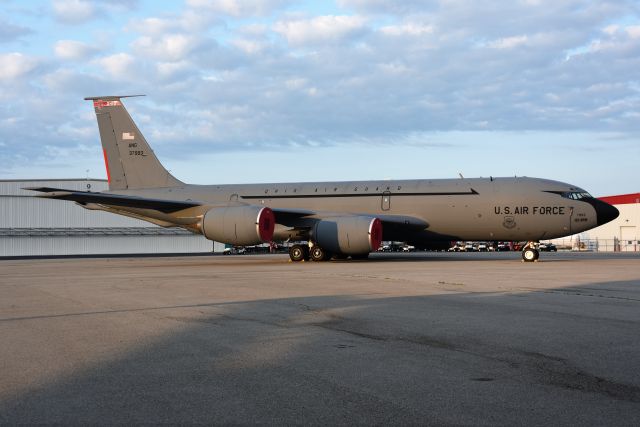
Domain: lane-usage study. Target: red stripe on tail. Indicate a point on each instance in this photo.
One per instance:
(106, 165)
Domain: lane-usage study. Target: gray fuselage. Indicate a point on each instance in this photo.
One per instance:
(516, 208)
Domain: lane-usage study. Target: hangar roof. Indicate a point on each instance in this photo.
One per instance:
(622, 199)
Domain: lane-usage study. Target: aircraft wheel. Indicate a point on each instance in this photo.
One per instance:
(530, 255)
(316, 253)
(298, 253)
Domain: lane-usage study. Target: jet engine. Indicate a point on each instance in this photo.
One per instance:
(238, 225)
(349, 235)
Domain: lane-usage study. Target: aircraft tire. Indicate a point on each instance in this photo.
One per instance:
(298, 253)
(530, 255)
(316, 253)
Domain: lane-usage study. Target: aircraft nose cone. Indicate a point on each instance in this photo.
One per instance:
(605, 212)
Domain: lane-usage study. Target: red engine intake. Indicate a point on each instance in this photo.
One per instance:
(350, 235)
(239, 225)
(375, 234)
(266, 223)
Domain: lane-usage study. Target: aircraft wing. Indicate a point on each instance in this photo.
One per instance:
(306, 218)
(403, 221)
(393, 225)
(162, 205)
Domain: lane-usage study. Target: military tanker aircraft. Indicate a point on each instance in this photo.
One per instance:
(332, 219)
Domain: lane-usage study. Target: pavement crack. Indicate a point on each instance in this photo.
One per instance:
(572, 378)
(326, 325)
(580, 293)
(559, 372)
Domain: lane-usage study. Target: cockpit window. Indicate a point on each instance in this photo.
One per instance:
(576, 195)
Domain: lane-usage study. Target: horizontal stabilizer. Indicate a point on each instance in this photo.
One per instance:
(161, 205)
(109, 97)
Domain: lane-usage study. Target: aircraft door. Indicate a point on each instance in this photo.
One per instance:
(386, 201)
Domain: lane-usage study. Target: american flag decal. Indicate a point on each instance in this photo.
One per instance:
(128, 135)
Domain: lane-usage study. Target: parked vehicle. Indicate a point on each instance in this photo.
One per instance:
(517, 246)
(548, 247)
(504, 246)
(236, 250)
(457, 247)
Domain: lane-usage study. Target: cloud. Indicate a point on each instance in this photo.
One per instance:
(16, 65)
(73, 50)
(173, 70)
(397, 7)
(10, 32)
(239, 8)
(408, 28)
(188, 21)
(508, 42)
(633, 31)
(271, 75)
(321, 29)
(73, 11)
(168, 47)
(119, 66)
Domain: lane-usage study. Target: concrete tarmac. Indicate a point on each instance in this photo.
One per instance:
(442, 339)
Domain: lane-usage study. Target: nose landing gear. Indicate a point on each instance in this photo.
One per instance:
(530, 252)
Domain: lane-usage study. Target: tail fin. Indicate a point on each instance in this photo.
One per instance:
(130, 161)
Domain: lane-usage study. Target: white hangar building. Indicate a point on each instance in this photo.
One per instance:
(31, 226)
(620, 235)
(625, 230)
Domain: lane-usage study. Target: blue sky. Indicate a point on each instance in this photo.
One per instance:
(278, 90)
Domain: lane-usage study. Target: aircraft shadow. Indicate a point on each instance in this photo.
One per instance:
(559, 356)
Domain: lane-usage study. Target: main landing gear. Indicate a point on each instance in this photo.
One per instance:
(300, 252)
(318, 254)
(530, 252)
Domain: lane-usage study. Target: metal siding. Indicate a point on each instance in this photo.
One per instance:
(22, 212)
(76, 245)
(18, 209)
(15, 188)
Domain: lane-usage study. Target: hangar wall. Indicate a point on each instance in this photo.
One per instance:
(32, 226)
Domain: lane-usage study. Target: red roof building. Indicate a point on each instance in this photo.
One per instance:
(622, 199)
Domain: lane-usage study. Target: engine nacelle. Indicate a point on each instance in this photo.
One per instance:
(349, 235)
(238, 225)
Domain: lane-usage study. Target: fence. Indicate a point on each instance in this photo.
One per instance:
(597, 245)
